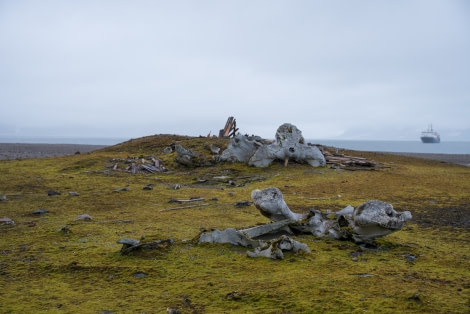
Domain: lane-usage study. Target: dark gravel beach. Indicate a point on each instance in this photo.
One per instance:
(460, 159)
(12, 151)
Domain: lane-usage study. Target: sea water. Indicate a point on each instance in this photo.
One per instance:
(398, 146)
(64, 140)
(367, 145)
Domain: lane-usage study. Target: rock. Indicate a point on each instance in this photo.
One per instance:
(243, 203)
(7, 221)
(74, 194)
(124, 189)
(167, 150)
(40, 211)
(289, 144)
(84, 217)
(65, 230)
(3, 198)
(52, 193)
(129, 245)
(175, 186)
(139, 275)
(148, 187)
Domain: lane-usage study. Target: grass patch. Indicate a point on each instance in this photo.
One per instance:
(422, 268)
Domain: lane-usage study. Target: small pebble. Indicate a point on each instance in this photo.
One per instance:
(139, 275)
(84, 217)
(7, 221)
(243, 203)
(122, 189)
(65, 230)
(410, 258)
(52, 193)
(40, 211)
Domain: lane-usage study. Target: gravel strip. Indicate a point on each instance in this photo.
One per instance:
(13, 151)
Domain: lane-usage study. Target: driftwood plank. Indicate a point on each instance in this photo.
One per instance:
(182, 207)
(190, 200)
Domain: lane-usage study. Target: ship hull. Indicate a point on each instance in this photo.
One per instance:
(429, 139)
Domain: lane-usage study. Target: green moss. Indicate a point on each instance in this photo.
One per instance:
(422, 268)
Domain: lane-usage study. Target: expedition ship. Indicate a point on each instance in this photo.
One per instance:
(430, 136)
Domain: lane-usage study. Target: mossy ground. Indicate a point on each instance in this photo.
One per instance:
(422, 268)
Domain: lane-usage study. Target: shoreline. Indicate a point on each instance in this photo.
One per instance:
(459, 159)
(18, 151)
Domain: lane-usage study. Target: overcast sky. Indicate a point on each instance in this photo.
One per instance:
(336, 69)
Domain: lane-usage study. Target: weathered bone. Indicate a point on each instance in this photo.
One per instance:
(229, 235)
(272, 205)
(370, 220)
(290, 144)
(274, 248)
(240, 149)
(274, 227)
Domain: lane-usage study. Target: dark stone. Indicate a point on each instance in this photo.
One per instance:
(129, 245)
(40, 211)
(148, 187)
(243, 203)
(139, 275)
(122, 189)
(52, 193)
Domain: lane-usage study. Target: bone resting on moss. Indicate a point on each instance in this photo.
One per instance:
(289, 144)
(364, 224)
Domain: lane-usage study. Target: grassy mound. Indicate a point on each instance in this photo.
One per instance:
(55, 263)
